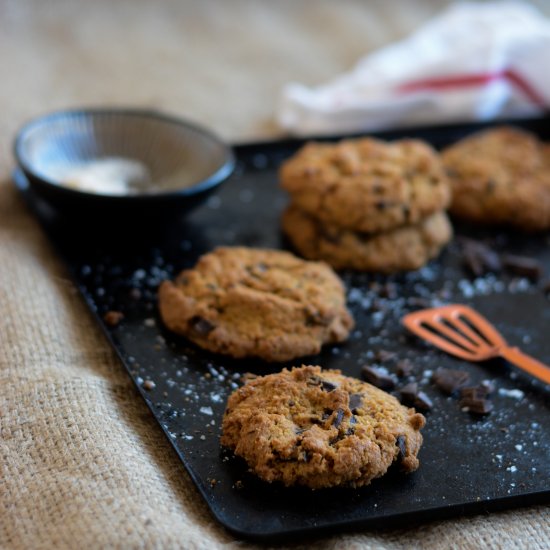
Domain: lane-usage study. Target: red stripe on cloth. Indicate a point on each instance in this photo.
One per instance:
(468, 80)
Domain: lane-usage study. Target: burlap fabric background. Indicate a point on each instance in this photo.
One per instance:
(82, 462)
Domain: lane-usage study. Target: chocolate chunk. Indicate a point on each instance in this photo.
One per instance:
(113, 318)
(401, 443)
(475, 392)
(328, 386)
(324, 384)
(378, 378)
(381, 205)
(355, 400)
(477, 406)
(338, 418)
(478, 258)
(408, 393)
(201, 326)
(404, 368)
(449, 380)
(411, 397)
(423, 402)
(523, 266)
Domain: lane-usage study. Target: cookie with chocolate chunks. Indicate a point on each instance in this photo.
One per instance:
(500, 176)
(365, 184)
(248, 302)
(404, 248)
(319, 428)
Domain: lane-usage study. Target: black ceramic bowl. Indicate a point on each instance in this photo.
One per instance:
(122, 162)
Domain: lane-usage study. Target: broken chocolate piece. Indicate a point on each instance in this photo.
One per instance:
(475, 392)
(201, 326)
(401, 443)
(479, 258)
(411, 397)
(378, 378)
(351, 429)
(450, 380)
(408, 393)
(404, 368)
(523, 266)
(423, 402)
(338, 418)
(477, 406)
(328, 386)
(355, 400)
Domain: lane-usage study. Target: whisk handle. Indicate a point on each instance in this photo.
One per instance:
(528, 364)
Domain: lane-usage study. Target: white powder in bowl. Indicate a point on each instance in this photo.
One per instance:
(106, 176)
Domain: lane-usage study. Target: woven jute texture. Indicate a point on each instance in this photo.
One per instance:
(82, 462)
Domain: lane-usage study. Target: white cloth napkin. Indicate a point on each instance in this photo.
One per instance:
(472, 62)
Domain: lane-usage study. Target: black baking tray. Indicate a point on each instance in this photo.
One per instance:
(468, 464)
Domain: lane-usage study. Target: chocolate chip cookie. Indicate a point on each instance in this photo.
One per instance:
(404, 248)
(502, 177)
(319, 428)
(247, 302)
(366, 184)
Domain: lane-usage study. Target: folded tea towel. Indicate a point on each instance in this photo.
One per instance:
(472, 62)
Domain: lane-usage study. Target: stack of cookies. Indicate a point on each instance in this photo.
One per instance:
(366, 204)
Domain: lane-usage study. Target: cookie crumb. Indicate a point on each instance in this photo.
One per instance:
(113, 318)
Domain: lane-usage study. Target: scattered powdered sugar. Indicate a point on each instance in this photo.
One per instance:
(514, 393)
